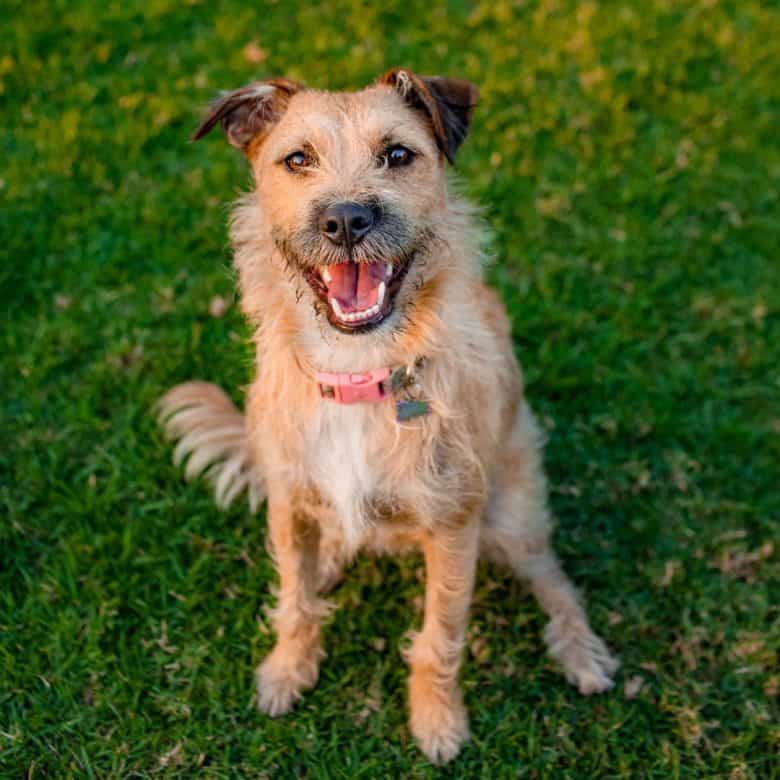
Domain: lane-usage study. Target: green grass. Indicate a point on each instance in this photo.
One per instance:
(627, 156)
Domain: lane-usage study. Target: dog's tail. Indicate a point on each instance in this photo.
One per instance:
(212, 432)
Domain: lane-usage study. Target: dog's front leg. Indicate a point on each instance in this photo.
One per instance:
(293, 664)
(438, 719)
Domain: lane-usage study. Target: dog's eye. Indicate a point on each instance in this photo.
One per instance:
(297, 161)
(396, 156)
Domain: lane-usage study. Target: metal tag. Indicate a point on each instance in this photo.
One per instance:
(406, 410)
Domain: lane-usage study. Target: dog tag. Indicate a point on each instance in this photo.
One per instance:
(406, 410)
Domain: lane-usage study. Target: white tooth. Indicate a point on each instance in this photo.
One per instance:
(389, 270)
(325, 274)
(355, 316)
(381, 297)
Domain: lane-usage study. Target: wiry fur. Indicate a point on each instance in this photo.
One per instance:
(462, 481)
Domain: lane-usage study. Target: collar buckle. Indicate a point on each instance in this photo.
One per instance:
(352, 388)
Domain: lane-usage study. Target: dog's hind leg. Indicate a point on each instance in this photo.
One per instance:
(331, 561)
(516, 533)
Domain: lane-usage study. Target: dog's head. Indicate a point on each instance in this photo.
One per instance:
(351, 185)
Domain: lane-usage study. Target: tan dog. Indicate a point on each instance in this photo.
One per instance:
(387, 409)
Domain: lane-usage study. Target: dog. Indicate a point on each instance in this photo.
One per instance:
(387, 409)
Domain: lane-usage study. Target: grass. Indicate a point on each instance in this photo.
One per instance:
(627, 157)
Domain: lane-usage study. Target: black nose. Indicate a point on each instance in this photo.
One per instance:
(346, 223)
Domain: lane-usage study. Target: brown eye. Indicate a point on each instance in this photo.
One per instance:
(297, 161)
(398, 155)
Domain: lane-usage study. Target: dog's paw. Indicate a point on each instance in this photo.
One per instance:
(438, 722)
(586, 661)
(440, 732)
(276, 694)
(281, 682)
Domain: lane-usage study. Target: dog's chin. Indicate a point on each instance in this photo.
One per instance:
(358, 298)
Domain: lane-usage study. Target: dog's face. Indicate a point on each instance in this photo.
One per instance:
(351, 185)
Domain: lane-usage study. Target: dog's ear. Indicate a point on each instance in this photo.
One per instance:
(247, 112)
(448, 103)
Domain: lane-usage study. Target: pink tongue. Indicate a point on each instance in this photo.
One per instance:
(355, 285)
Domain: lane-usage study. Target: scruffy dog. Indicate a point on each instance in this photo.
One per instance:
(387, 409)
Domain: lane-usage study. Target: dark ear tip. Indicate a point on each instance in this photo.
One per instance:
(205, 127)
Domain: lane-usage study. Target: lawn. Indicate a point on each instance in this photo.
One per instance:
(627, 157)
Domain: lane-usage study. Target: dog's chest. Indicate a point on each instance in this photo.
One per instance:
(346, 461)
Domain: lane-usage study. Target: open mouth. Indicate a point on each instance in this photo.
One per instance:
(358, 296)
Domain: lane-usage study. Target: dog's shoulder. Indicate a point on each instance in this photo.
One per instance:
(492, 310)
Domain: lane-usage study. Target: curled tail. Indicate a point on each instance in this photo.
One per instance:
(212, 432)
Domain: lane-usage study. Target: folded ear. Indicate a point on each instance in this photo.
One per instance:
(247, 112)
(448, 103)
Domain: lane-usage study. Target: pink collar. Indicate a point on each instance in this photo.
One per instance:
(368, 388)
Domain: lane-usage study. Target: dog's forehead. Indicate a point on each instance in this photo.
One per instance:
(369, 116)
